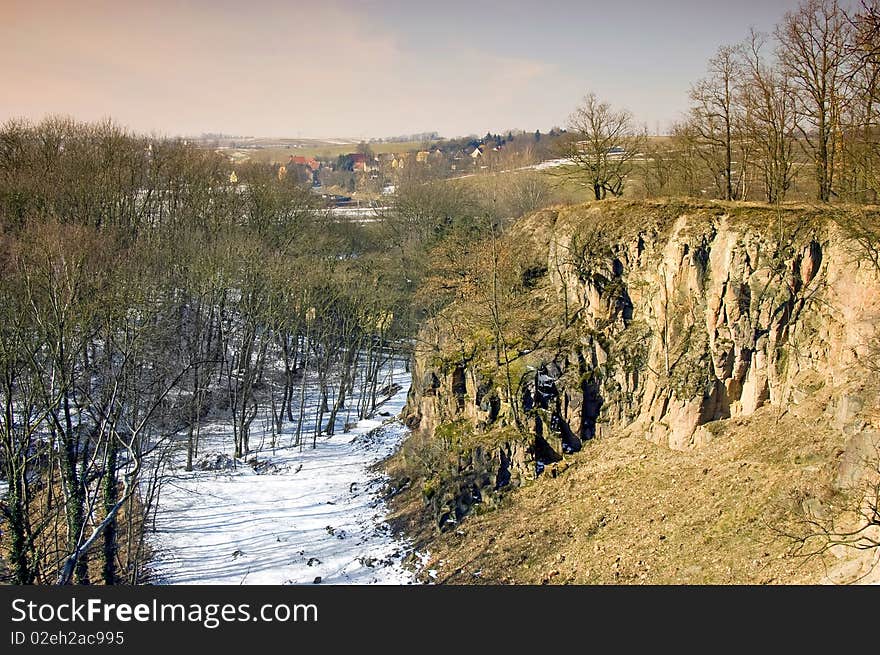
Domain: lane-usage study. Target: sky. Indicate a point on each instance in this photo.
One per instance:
(359, 68)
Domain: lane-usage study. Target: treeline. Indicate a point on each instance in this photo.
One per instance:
(142, 287)
(791, 115)
(802, 102)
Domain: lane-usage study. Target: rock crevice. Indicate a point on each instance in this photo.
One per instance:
(666, 322)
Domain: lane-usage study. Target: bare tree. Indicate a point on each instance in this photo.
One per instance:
(657, 170)
(814, 54)
(684, 160)
(602, 145)
(861, 142)
(715, 117)
(771, 121)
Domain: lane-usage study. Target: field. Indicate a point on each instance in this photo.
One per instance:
(280, 153)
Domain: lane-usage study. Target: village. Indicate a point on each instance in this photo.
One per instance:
(364, 176)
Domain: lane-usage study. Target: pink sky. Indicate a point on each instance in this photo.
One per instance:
(344, 68)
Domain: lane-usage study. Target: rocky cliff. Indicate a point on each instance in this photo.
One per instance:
(659, 319)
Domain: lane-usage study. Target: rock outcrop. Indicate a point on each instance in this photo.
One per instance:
(658, 317)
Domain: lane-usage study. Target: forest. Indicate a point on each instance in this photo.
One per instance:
(142, 289)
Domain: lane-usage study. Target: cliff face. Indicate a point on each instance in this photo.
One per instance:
(661, 319)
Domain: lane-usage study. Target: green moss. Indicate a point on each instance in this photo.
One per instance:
(781, 359)
(630, 350)
(521, 366)
(691, 374)
(429, 488)
(452, 433)
(716, 428)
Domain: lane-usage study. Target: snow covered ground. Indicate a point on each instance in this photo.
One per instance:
(291, 519)
(358, 214)
(550, 163)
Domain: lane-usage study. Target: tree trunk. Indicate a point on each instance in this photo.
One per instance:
(111, 496)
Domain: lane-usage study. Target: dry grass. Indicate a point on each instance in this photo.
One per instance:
(629, 512)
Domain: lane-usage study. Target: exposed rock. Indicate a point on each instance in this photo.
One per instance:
(860, 456)
(682, 320)
(265, 467)
(215, 462)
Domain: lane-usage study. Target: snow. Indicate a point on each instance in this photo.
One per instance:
(540, 166)
(551, 163)
(310, 514)
(359, 214)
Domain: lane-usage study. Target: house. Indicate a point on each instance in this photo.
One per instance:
(308, 162)
(477, 153)
(360, 162)
(422, 156)
(306, 168)
(399, 162)
(388, 160)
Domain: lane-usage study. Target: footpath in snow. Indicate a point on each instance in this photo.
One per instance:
(294, 518)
